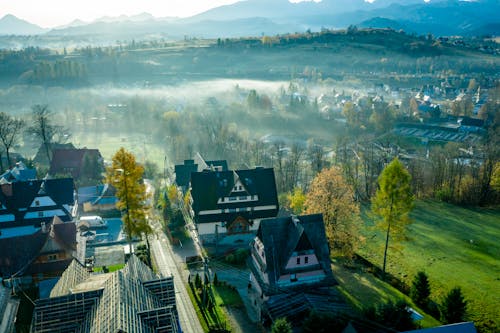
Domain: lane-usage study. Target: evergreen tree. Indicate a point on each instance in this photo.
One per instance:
(420, 290)
(454, 307)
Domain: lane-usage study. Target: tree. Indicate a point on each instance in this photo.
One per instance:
(10, 129)
(297, 199)
(126, 176)
(281, 325)
(330, 195)
(92, 169)
(420, 290)
(44, 129)
(454, 307)
(393, 201)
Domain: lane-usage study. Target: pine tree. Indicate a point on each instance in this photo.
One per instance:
(420, 290)
(454, 307)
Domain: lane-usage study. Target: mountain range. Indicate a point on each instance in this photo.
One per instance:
(269, 17)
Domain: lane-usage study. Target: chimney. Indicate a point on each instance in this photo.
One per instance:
(44, 228)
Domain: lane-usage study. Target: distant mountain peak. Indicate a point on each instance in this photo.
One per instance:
(12, 25)
(122, 18)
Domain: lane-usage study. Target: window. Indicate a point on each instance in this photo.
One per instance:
(306, 260)
(52, 257)
(293, 278)
(40, 214)
(37, 202)
(232, 198)
(298, 260)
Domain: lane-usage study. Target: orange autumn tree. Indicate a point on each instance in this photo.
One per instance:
(330, 195)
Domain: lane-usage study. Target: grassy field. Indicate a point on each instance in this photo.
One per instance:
(363, 289)
(455, 246)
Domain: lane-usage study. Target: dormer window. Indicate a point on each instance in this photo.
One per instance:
(298, 260)
(306, 260)
(37, 202)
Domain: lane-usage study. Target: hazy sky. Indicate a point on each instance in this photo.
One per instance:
(50, 13)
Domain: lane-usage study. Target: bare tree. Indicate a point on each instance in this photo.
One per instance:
(292, 166)
(44, 129)
(10, 128)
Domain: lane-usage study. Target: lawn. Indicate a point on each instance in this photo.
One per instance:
(111, 269)
(227, 296)
(363, 289)
(455, 246)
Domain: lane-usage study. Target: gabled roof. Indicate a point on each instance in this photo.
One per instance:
(70, 160)
(219, 165)
(16, 198)
(41, 156)
(209, 186)
(18, 173)
(283, 236)
(19, 252)
(296, 306)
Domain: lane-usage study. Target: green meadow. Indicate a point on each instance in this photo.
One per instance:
(455, 246)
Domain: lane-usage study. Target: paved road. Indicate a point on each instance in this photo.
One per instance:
(164, 257)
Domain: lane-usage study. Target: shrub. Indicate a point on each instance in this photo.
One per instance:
(281, 325)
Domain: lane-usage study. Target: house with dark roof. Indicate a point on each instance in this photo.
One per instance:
(45, 253)
(133, 299)
(30, 203)
(40, 157)
(183, 171)
(290, 255)
(77, 163)
(228, 205)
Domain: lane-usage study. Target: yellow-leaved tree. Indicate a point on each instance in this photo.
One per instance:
(330, 195)
(392, 202)
(125, 174)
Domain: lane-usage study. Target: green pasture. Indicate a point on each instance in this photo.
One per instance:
(455, 246)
